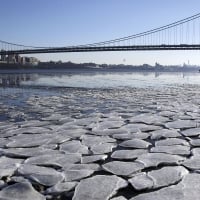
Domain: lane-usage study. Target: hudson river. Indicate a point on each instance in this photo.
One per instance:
(90, 135)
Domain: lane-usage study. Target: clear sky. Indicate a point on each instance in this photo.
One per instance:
(73, 22)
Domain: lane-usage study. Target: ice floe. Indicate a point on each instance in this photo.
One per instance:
(92, 189)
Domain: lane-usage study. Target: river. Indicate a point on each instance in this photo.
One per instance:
(74, 130)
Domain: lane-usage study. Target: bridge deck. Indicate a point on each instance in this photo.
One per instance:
(103, 48)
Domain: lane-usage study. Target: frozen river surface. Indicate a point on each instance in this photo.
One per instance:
(136, 141)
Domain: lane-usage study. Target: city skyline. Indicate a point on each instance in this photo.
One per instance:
(48, 23)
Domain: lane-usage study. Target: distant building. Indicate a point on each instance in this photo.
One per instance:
(11, 59)
(23, 60)
(29, 61)
(17, 59)
(33, 61)
(3, 58)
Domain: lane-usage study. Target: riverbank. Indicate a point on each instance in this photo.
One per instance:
(140, 144)
(69, 66)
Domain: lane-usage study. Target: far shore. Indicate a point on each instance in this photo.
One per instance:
(92, 67)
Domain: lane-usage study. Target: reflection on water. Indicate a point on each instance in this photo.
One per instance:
(99, 80)
(14, 79)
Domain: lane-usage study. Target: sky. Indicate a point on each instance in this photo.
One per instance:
(75, 22)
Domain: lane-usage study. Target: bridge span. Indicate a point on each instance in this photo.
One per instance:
(103, 48)
(180, 35)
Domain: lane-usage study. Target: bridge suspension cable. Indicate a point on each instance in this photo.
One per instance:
(156, 30)
(183, 32)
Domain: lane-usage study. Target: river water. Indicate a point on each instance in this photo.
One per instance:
(99, 125)
(97, 79)
(17, 87)
(44, 83)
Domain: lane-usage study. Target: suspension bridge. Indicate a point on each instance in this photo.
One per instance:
(180, 35)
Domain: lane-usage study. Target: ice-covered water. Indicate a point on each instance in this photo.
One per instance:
(136, 134)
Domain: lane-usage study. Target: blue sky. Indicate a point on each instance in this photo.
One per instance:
(72, 22)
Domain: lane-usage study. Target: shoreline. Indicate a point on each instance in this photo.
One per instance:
(92, 67)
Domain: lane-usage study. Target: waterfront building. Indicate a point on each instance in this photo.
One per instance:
(33, 61)
(18, 59)
(11, 59)
(23, 60)
(3, 58)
